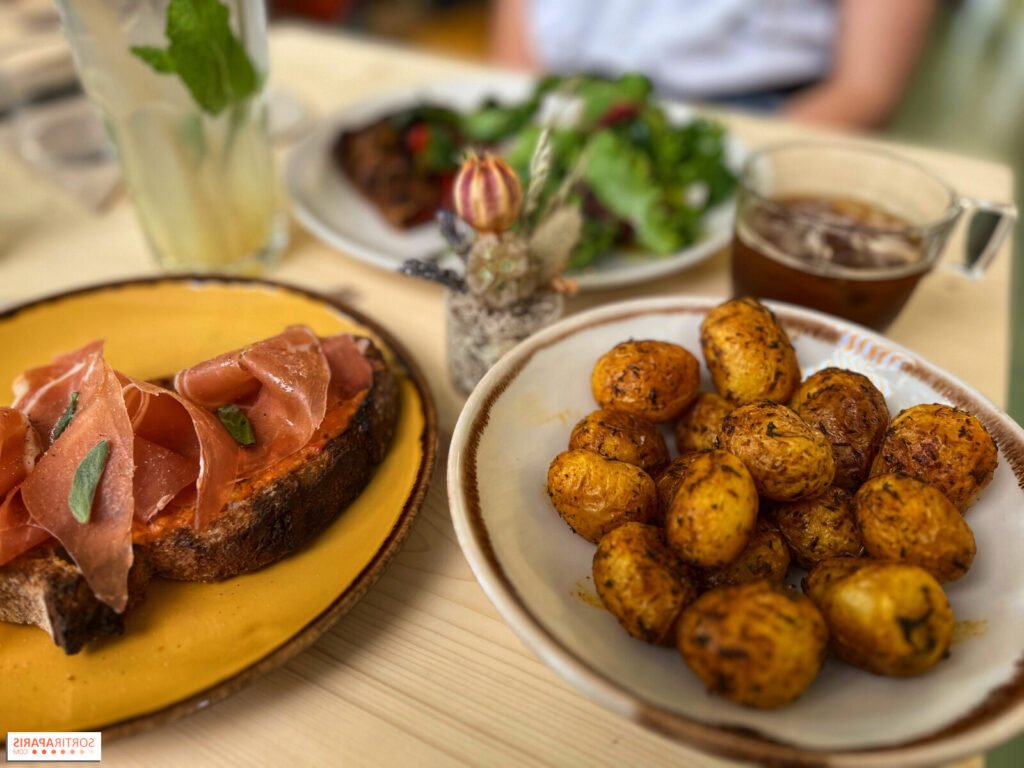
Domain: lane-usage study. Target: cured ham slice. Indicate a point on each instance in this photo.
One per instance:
(101, 547)
(283, 392)
(177, 445)
(17, 533)
(19, 449)
(43, 393)
(351, 372)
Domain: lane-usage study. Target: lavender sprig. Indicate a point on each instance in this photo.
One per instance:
(456, 237)
(430, 270)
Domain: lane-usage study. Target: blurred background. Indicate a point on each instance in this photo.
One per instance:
(962, 92)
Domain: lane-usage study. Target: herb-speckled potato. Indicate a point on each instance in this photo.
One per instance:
(623, 437)
(942, 446)
(888, 618)
(653, 379)
(749, 355)
(765, 557)
(713, 512)
(904, 519)
(757, 644)
(697, 428)
(820, 527)
(642, 582)
(850, 411)
(787, 458)
(670, 479)
(594, 494)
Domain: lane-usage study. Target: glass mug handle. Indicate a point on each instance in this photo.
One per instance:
(988, 225)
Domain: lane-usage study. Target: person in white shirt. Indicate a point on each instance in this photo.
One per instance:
(842, 62)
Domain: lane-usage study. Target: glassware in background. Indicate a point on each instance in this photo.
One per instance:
(849, 231)
(180, 84)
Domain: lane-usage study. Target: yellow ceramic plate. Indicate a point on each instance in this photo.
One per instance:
(190, 644)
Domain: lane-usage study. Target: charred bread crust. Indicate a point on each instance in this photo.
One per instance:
(284, 513)
(43, 587)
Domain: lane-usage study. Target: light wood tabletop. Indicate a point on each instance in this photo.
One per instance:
(423, 671)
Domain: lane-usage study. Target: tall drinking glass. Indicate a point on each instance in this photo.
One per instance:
(180, 84)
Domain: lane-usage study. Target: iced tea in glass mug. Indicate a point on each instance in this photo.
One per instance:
(850, 230)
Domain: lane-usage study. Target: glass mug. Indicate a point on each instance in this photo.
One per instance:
(202, 179)
(850, 230)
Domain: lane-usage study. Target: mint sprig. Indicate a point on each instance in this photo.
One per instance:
(204, 52)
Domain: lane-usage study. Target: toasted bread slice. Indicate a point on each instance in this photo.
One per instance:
(267, 518)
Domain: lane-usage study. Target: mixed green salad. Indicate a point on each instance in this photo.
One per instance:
(643, 180)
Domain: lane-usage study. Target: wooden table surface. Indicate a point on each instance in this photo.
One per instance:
(423, 671)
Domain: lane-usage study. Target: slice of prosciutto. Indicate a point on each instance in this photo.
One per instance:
(283, 384)
(178, 445)
(43, 393)
(101, 547)
(19, 449)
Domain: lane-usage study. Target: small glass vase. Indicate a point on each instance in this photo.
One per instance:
(478, 334)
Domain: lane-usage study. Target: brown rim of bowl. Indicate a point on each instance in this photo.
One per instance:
(726, 740)
(363, 581)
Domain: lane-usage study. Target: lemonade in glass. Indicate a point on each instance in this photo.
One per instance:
(180, 84)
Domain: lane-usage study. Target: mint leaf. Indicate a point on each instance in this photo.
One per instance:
(87, 477)
(205, 54)
(65, 418)
(237, 424)
(157, 58)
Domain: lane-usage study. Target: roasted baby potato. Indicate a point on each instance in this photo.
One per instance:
(642, 582)
(888, 618)
(670, 479)
(942, 446)
(623, 437)
(748, 353)
(713, 512)
(787, 458)
(594, 494)
(697, 428)
(904, 519)
(850, 411)
(757, 644)
(652, 379)
(819, 527)
(765, 557)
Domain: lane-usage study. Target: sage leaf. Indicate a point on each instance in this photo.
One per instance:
(237, 424)
(87, 477)
(65, 418)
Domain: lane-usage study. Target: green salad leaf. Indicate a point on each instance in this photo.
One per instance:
(203, 51)
(494, 122)
(622, 178)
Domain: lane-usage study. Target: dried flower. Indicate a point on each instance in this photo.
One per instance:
(487, 193)
(499, 269)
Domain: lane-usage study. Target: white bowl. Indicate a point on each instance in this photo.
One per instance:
(536, 571)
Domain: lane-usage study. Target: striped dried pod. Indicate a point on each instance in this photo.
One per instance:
(487, 192)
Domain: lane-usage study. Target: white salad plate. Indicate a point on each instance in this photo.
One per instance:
(327, 204)
(537, 572)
